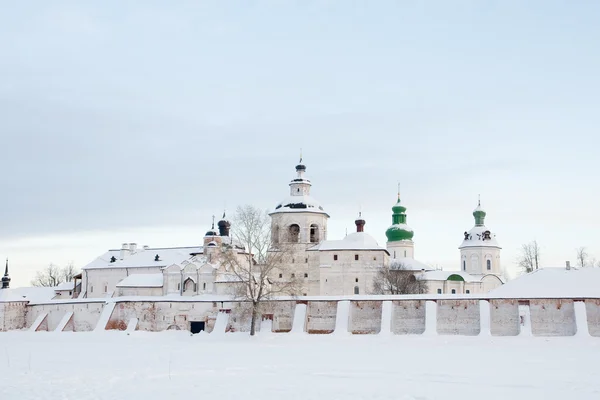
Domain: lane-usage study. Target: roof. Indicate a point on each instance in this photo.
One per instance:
(32, 294)
(439, 275)
(353, 241)
(553, 282)
(476, 238)
(145, 257)
(142, 280)
(411, 264)
(65, 286)
(302, 203)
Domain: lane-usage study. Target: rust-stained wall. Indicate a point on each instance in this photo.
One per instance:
(365, 317)
(408, 317)
(592, 307)
(552, 317)
(504, 314)
(12, 315)
(458, 317)
(321, 316)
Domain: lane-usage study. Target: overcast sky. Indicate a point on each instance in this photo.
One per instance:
(137, 121)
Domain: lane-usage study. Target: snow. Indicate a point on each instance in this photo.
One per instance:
(411, 264)
(32, 294)
(220, 323)
(175, 365)
(354, 241)
(581, 319)
(386, 318)
(485, 318)
(299, 318)
(64, 321)
(302, 203)
(145, 257)
(38, 321)
(266, 326)
(430, 318)
(400, 227)
(553, 282)
(476, 234)
(132, 325)
(142, 280)
(64, 286)
(105, 317)
(525, 314)
(342, 318)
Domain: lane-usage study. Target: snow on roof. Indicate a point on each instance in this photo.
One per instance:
(302, 203)
(65, 286)
(411, 264)
(439, 275)
(142, 280)
(553, 282)
(32, 294)
(354, 241)
(145, 257)
(476, 238)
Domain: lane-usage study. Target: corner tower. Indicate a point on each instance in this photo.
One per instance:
(299, 218)
(399, 234)
(479, 251)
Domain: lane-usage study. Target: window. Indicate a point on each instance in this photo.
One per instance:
(91, 289)
(356, 257)
(306, 275)
(293, 275)
(468, 291)
(314, 233)
(304, 294)
(404, 253)
(179, 286)
(453, 291)
(203, 286)
(294, 233)
(281, 275)
(356, 280)
(306, 260)
(394, 253)
(105, 288)
(356, 290)
(439, 291)
(335, 257)
(292, 260)
(374, 258)
(464, 265)
(489, 264)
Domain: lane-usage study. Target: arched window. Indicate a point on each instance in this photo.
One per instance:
(314, 233)
(453, 291)
(404, 253)
(189, 285)
(204, 286)
(275, 235)
(356, 290)
(294, 233)
(464, 265)
(489, 264)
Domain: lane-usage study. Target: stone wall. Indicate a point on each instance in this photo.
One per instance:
(408, 317)
(504, 316)
(321, 316)
(12, 315)
(365, 317)
(458, 317)
(552, 317)
(85, 315)
(592, 307)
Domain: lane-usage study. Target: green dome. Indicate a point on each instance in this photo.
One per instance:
(399, 230)
(479, 215)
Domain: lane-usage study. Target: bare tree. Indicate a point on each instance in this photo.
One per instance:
(398, 279)
(254, 271)
(529, 258)
(53, 275)
(582, 257)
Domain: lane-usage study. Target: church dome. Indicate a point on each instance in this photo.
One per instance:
(399, 229)
(479, 214)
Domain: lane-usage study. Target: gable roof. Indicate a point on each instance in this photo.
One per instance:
(145, 257)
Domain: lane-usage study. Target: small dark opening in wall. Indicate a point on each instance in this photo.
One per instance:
(196, 326)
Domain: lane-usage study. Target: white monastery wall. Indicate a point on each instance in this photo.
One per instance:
(592, 307)
(85, 314)
(321, 316)
(504, 316)
(552, 317)
(365, 317)
(408, 317)
(458, 317)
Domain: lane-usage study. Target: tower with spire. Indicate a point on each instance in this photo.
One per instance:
(479, 250)
(299, 218)
(399, 235)
(6, 277)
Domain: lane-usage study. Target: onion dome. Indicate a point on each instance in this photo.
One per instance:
(212, 231)
(360, 223)
(479, 215)
(399, 229)
(224, 226)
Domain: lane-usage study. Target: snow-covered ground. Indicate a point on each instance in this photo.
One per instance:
(170, 365)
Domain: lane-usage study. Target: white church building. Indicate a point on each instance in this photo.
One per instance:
(345, 266)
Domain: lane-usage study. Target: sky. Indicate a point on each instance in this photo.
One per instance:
(137, 121)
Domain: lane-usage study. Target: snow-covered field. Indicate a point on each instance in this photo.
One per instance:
(169, 365)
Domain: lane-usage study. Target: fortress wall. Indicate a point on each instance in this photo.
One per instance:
(408, 317)
(504, 314)
(552, 317)
(458, 317)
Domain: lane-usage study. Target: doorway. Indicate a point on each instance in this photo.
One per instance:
(196, 326)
